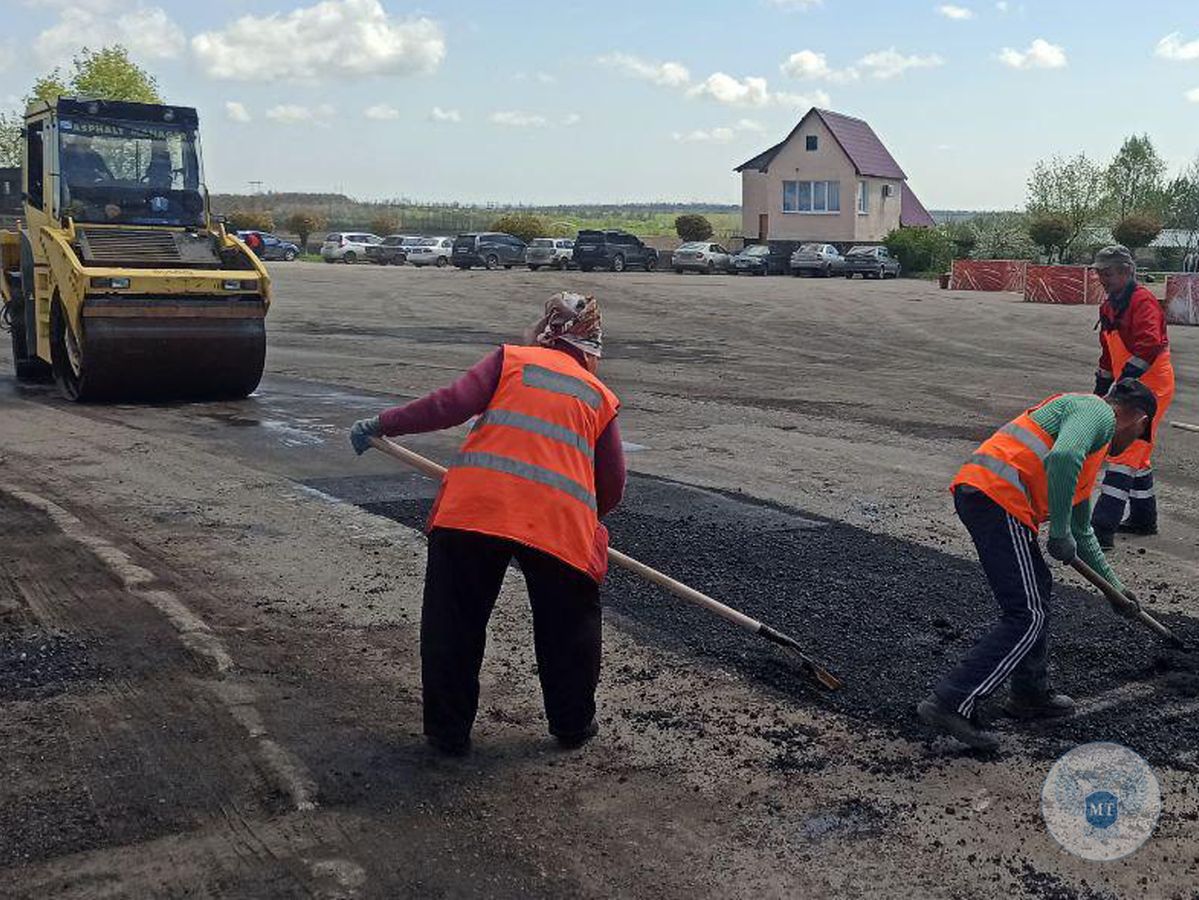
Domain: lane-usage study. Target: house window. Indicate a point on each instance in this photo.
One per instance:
(863, 198)
(811, 196)
(811, 142)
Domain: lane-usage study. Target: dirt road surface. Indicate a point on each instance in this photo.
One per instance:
(208, 615)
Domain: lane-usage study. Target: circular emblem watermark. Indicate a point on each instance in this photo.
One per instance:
(1101, 801)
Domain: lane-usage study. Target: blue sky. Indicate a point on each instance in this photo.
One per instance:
(619, 100)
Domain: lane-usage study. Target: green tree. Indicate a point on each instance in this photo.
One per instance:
(1182, 206)
(251, 220)
(1050, 232)
(693, 227)
(303, 222)
(107, 74)
(10, 139)
(1072, 188)
(963, 237)
(1137, 230)
(523, 225)
(385, 222)
(1003, 235)
(920, 250)
(1135, 178)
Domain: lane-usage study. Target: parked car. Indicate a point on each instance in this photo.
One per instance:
(432, 252)
(871, 262)
(554, 252)
(273, 247)
(490, 249)
(753, 260)
(817, 259)
(615, 250)
(393, 249)
(347, 246)
(701, 256)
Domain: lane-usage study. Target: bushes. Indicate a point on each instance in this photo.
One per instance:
(1051, 233)
(525, 226)
(303, 222)
(251, 220)
(1137, 230)
(384, 223)
(693, 227)
(920, 249)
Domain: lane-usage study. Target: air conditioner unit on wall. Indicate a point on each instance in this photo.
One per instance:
(888, 190)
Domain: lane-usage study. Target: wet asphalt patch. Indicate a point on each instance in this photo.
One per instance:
(886, 615)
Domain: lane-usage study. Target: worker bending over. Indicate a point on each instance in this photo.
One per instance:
(1133, 342)
(542, 464)
(1041, 466)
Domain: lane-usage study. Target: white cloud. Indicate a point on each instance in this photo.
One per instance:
(806, 64)
(8, 55)
(720, 135)
(959, 13)
(666, 74)
(437, 114)
(572, 119)
(381, 112)
(147, 31)
(1001, 6)
(236, 112)
(800, 101)
(1193, 95)
(333, 38)
(1172, 47)
(801, 5)
(749, 91)
(515, 119)
(1040, 55)
(890, 63)
(295, 114)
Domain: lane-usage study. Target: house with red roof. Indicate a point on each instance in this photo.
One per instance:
(829, 180)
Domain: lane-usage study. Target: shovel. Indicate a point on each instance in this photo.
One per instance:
(1116, 597)
(822, 675)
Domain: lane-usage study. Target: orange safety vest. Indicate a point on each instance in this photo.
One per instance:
(526, 471)
(1009, 467)
(1159, 378)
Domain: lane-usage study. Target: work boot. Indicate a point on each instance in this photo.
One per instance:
(934, 714)
(1045, 706)
(1145, 529)
(1107, 539)
(448, 746)
(574, 739)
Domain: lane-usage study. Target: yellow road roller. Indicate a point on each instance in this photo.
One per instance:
(119, 284)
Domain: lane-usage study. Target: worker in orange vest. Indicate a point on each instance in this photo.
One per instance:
(541, 465)
(1040, 467)
(1134, 344)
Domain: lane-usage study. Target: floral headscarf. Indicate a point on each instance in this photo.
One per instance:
(572, 318)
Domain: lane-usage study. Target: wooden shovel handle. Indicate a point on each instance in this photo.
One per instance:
(1116, 597)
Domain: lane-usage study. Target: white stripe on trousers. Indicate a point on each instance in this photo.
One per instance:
(1032, 595)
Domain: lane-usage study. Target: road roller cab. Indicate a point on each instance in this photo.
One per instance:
(118, 284)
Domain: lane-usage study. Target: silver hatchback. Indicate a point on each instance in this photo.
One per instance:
(817, 259)
(552, 252)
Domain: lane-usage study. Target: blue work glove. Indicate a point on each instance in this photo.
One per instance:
(1063, 549)
(1125, 611)
(361, 433)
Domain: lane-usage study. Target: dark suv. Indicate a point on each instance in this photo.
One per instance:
(615, 250)
(491, 249)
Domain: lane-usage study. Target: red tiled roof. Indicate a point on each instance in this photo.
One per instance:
(856, 138)
(912, 213)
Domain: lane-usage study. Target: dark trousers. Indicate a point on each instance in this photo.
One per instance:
(463, 579)
(1125, 488)
(1018, 645)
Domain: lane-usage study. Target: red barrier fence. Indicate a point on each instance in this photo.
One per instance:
(1074, 285)
(1182, 299)
(988, 275)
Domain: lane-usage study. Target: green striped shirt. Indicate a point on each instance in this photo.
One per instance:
(1080, 424)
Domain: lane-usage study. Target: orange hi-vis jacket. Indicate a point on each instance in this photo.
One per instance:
(1158, 377)
(1009, 467)
(526, 471)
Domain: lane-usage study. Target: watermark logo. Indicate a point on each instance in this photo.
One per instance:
(1101, 801)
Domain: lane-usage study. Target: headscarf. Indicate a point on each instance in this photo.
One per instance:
(572, 318)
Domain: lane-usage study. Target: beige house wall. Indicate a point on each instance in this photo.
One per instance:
(763, 193)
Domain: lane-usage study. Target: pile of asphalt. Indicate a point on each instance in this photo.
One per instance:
(35, 664)
(888, 616)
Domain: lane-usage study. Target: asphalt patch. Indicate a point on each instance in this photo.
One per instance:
(35, 664)
(886, 615)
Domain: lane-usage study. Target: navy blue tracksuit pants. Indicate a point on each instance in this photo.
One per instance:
(1018, 644)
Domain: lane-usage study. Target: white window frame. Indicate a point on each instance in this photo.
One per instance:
(863, 198)
(808, 187)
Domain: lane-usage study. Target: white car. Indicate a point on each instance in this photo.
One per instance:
(701, 256)
(555, 252)
(347, 246)
(431, 252)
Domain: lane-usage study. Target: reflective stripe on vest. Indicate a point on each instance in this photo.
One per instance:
(549, 380)
(537, 426)
(1030, 440)
(527, 471)
(1010, 474)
